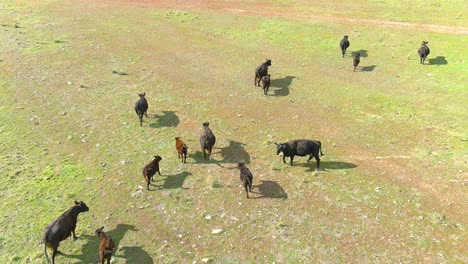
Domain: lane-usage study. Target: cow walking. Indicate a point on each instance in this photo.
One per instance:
(344, 44)
(423, 51)
(141, 106)
(300, 147)
(246, 177)
(261, 71)
(207, 140)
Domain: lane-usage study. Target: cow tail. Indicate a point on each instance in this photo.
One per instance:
(320, 148)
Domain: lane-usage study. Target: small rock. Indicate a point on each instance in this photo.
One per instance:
(208, 217)
(206, 260)
(217, 231)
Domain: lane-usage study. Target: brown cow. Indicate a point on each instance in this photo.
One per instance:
(106, 246)
(181, 148)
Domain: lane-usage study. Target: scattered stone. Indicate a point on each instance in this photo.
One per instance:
(208, 217)
(206, 260)
(217, 231)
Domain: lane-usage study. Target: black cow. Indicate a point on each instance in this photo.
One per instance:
(141, 106)
(423, 51)
(356, 60)
(266, 83)
(207, 139)
(300, 147)
(261, 71)
(150, 170)
(344, 44)
(61, 228)
(246, 177)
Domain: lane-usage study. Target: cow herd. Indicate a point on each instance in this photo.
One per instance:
(65, 224)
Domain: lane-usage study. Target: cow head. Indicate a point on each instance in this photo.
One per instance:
(206, 124)
(99, 231)
(267, 62)
(157, 158)
(142, 95)
(177, 138)
(83, 207)
(240, 164)
(279, 148)
(424, 43)
(346, 36)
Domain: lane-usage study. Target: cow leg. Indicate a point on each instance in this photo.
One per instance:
(284, 159)
(317, 158)
(54, 253)
(146, 114)
(246, 190)
(291, 160)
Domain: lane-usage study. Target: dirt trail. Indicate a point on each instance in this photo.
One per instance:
(278, 11)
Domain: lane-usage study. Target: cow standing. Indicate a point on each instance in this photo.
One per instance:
(423, 51)
(141, 106)
(300, 147)
(261, 71)
(181, 149)
(207, 139)
(356, 60)
(246, 177)
(62, 228)
(344, 44)
(106, 246)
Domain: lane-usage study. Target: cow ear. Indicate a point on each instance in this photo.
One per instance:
(76, 203)
(276, 144)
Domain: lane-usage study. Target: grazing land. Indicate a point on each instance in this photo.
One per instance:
(393, 184)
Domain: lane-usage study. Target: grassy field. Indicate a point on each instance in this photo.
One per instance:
(393, 187)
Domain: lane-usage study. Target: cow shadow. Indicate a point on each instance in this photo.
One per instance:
(269, 189)
(175, 181)
(135, 255)
(234, 153)
(283, 85)
(90, 249)
(439, 60)
(368, 68)
(167, 119)
(362, 53)
(328, 165)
